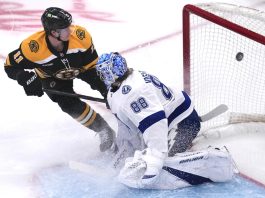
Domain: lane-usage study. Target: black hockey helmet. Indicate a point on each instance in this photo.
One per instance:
(55, 18)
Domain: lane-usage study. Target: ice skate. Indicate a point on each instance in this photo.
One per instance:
(107, 139)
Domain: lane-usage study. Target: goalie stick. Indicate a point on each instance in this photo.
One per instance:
(208, 116)
(220, 109)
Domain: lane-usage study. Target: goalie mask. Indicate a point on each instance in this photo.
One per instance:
(55, 18)
(110, 67)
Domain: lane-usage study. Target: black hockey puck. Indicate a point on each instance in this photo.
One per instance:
(239, 56)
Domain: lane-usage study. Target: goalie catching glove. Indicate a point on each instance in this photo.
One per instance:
(30, 83)
(143, 169)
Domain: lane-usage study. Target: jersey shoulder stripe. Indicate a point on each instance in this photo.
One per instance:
(79, 40)
(34, 48)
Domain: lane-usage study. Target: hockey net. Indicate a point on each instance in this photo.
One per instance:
(224, 61)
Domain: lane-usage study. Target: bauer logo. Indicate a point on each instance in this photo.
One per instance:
(191, 159)
(126, 89)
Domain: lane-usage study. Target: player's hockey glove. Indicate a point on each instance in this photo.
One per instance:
(143, 169)
(154, 162)
(30, 82)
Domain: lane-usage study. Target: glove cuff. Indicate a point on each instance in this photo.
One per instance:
(154, 160)
(153, 153)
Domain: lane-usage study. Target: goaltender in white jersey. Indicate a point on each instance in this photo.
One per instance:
(156, 125)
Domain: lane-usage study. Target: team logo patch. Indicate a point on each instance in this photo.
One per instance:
(67, 74)
(126, 89)
(80, 34)
(34, 46)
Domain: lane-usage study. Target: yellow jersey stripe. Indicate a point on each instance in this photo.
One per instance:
(46, 60)
(87, 117)
(91, 120)
(76, 41)
(39, 52)
(85, 112)
(7, 63)
(39, 72)
(90, 65)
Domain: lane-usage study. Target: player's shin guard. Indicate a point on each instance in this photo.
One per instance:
(95, 122)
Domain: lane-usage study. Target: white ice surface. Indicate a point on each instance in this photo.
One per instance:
(35, 134)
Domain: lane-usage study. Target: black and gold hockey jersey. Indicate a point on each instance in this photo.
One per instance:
(36, 52)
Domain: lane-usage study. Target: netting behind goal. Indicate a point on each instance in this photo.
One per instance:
(224, 60)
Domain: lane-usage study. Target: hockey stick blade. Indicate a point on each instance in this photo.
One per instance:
(214, 113)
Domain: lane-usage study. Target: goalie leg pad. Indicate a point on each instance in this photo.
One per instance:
(214, 164)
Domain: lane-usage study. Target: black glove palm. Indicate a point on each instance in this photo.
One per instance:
(30, 82)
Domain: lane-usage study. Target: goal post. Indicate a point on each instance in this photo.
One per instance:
(224, 60)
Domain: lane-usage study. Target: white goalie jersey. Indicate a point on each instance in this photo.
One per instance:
(146, 105)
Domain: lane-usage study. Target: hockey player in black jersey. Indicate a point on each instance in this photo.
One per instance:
(57, 55)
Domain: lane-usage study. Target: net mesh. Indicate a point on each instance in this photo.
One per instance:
(227, 67)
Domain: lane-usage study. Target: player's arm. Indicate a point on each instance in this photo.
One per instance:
(15, 66)
(90, 76)
(89, 59)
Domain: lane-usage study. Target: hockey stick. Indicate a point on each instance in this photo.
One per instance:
(62, 93)
(214, 113)
(210, 115)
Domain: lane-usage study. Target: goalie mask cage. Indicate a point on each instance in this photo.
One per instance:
(224, 61)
